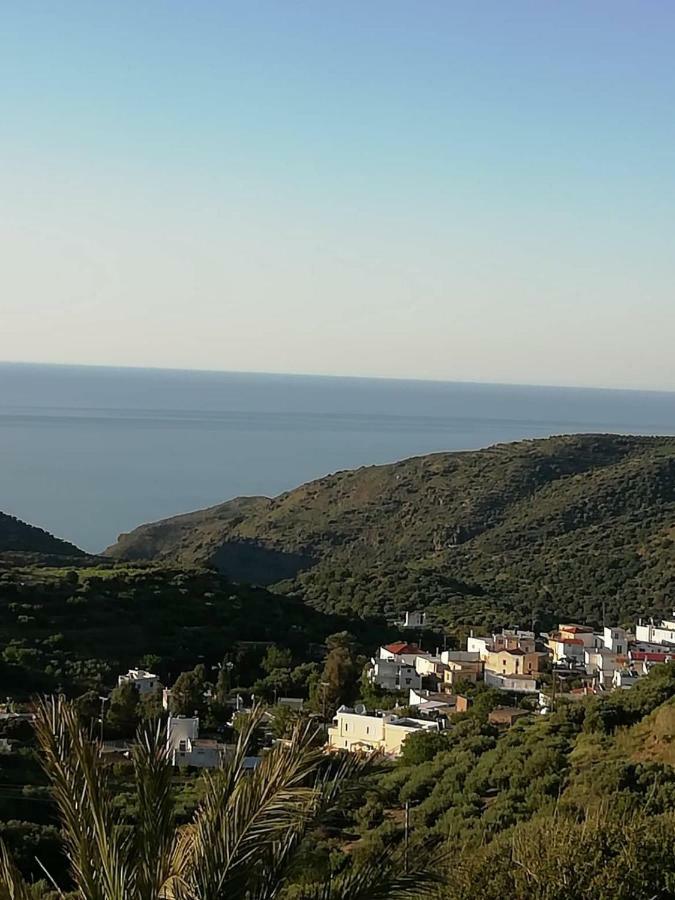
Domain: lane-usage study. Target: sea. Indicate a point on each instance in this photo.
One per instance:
(89, 452)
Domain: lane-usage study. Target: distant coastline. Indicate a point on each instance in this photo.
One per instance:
(328, 376)
(89, 452)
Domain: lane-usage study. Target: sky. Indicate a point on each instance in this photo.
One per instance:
(479, 190)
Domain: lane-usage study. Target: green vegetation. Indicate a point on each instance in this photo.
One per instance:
(547, 529)
(18, 538)
(77, 629)
(578, 803)
(243, 840)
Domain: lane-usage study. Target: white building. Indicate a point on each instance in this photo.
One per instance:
(186, 749)
(460, 656)
(661, 633)
(402, 652)
(601, 663)
(358, 731)
(616, 640)
(519, 684)
(144, 682)
(506, 639)
(413, 619)
(428, 664)
(437, 703)
(481, 645)
(624, 678)
(394, 675)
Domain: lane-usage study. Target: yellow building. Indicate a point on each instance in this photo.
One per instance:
(456, 671)
(365, 732)
(513, 662)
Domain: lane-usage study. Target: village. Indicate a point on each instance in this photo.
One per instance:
(535, 671)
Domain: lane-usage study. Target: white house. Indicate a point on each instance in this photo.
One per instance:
(481, 645)
(413, 619)
(401, 651)
(624, 678)
(601, 663)
(506, 639)
(616, 640)
(428, 664)
(519, 684)
(356, 730)
(661, 633)
(144, 682)
(437, 703)
(394, 675)
(186, 749)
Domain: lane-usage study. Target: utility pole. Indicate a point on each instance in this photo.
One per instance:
(103, 700)
(406, 836)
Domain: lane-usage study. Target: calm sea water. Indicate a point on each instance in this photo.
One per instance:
(90, 452)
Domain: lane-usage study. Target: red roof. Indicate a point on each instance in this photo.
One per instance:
(402, 647)
(559, 638)
(649, 656)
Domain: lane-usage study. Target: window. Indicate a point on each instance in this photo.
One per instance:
(367, 729)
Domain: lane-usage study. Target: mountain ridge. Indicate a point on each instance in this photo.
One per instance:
(500, 524)
(17, 536)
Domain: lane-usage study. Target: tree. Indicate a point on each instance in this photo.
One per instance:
(150, 706)
(88, 707)
(187, 694)
(276, 658)
(150, 662)
(422, 746)
(242, 843)
(340, 676)
(123, 711)
(283, 720)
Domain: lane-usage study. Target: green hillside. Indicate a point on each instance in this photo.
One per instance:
(18, 537)
(545, 528)
(76, 629)
(578, 803)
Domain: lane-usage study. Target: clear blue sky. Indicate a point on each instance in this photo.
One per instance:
(462, 190)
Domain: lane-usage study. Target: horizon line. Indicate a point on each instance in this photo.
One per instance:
(336, 377)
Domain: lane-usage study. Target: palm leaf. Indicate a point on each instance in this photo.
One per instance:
(374, 881)
(12, 883)
(91, 829)
(155, 837)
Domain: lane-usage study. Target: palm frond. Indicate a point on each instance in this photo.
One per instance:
(13, 886)
(235, 832)
(338, 777)
(91, 830)
(374, 881)
(154, 838)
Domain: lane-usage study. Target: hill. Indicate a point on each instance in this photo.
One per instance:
(18, 537)
(542, 528)
(76, 629)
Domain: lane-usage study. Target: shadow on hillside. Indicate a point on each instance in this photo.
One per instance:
(253, 564)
